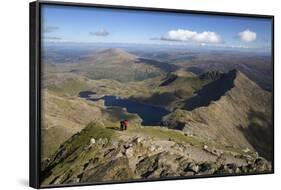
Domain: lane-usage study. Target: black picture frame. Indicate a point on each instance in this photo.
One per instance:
(35, 86)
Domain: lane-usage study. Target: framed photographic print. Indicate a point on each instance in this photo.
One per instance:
(130, 94)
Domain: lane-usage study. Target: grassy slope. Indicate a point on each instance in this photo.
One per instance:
(62, 117)
(74, 147)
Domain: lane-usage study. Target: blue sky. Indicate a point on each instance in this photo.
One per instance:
(92, 25)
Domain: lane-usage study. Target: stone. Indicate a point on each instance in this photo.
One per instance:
(129, 152)
(147, 166)
(208, 168)
(110, 152)
(119, 154)
(262, 165)
(257, 155)
(188, 134)
(192, 167)
(246, 150)
(105, 141)
(100, 141)
(237, 170)
(127, 145)
(92, 141)
(138, 140)
(205, 147)
(152, 148)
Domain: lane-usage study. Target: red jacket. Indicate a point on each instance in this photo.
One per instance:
(126, 123)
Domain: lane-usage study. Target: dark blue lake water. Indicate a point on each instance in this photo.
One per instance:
(150, 115)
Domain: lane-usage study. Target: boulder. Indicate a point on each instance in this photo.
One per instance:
(129, 152)
(147, 166)
(92, 141)
(192, 166)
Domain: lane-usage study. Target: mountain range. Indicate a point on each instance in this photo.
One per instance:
(219, 122)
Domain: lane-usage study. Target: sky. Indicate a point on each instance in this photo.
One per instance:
(100, 25)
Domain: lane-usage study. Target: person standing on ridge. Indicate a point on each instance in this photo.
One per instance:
(126, 123)
(122, 125)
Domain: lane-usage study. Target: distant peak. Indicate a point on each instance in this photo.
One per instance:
(114, 51)
(241, 79)
(237, 74)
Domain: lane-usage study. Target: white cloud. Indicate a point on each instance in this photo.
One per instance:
(247, 35)
(102, 32)
(193, 36)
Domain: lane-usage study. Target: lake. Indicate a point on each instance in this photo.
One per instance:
(150, 115)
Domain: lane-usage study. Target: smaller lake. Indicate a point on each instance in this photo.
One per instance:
(150, 115)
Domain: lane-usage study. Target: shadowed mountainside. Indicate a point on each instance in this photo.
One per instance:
(162, 65)
(259, 134)
(226, 117)
(212, 91)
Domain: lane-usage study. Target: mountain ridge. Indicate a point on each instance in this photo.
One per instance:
(222, 119)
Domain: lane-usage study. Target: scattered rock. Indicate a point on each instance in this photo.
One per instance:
(110, 152)
(138, 140)
(152, 148)
(246, 150)
(208, 168)
(92, 141)
(102, 141)
(192, 167)
(129, 152)
(188, 133)
(262, 165)
(128, 145)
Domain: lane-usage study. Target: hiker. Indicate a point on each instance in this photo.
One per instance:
(126, 124)
(122, 125)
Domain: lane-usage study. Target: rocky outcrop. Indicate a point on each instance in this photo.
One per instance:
(211, 75)
(136, 157)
